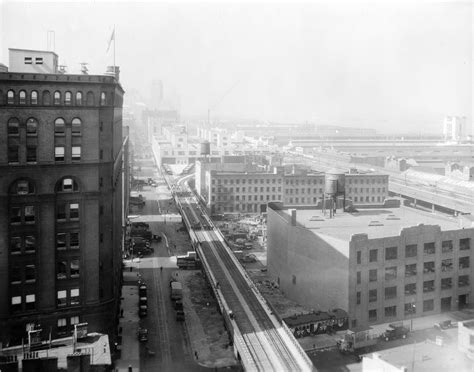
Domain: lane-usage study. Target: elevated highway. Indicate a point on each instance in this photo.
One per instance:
(261, 341)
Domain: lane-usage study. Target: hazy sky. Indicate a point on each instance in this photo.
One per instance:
(389, 65)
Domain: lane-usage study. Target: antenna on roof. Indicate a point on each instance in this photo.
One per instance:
(84, 68)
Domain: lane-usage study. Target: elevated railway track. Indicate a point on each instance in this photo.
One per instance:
(261, 341)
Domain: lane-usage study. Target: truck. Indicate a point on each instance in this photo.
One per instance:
(176, 291)
(357, 340)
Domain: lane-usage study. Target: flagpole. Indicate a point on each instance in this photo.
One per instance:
(115, 73)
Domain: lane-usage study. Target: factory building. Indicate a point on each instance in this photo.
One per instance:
(380, 264)
(245, 188)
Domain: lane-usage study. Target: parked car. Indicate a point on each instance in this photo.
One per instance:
(395, 332)
(445, 324)
(142, 334)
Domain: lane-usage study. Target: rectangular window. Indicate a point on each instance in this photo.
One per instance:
(15, 245)
(39, 60)
(429, 267)
(410, 270)
(61, 297)
(31, 154)
(76, 153)
(447, 265)
(16, 303)
(464, 244)
(428, 286)
(390, 273)
(61, 211)
(391, 253)
(410, 308)
(372, 295)
(74, 269)
(411, 250)
(30, 273)
(372, 315)
(30, 302)
(59, 153)
(463, 263)
(29, 214)
(74, 240)
(373, 275)
(390, 292)
(358, 298)
(28, 60)
(73, 211)
(359, 254)
(447, 246)
(61, 241)
(74, 296)
(446, 283)
(410, 289)
(30, 244)
(74, 320)
(390, 311)
(373, 253)
(13, 154)
(428, 305)
(15, 215)
(358, 277)
(429, 248)
(61, 271)
(463, 280)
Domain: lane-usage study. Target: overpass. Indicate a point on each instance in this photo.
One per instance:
(261, 341)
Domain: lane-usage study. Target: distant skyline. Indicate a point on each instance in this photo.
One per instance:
(393, 66)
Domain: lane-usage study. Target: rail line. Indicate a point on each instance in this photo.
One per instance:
(265, 340)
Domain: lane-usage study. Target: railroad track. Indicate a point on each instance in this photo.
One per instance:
(265, 343)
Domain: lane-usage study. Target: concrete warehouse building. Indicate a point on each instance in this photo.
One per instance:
(380, 264)
(61, 163)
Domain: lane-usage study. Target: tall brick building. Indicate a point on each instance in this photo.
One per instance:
(60, 197)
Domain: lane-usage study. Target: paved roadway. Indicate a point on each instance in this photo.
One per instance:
(167, 337)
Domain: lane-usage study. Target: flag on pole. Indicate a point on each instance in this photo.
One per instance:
(112, 37)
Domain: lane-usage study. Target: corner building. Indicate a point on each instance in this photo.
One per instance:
(380, 265)
(60, 200)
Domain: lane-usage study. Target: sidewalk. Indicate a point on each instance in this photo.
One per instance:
(129, 324)
(325, 341)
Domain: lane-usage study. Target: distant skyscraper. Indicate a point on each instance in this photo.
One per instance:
(455, 128)
(156, 95)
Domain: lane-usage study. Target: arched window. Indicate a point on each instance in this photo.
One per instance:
(90, 99)
(79, 98)
(13, 126)
(34, 97)
(10, 97)
(22, 187)
(103, 100)
(76, 127)
(31, 126)
(67, 98)
(59, 126)
(67, 184)
(46, 98)
(57, 98)
(22, 96)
